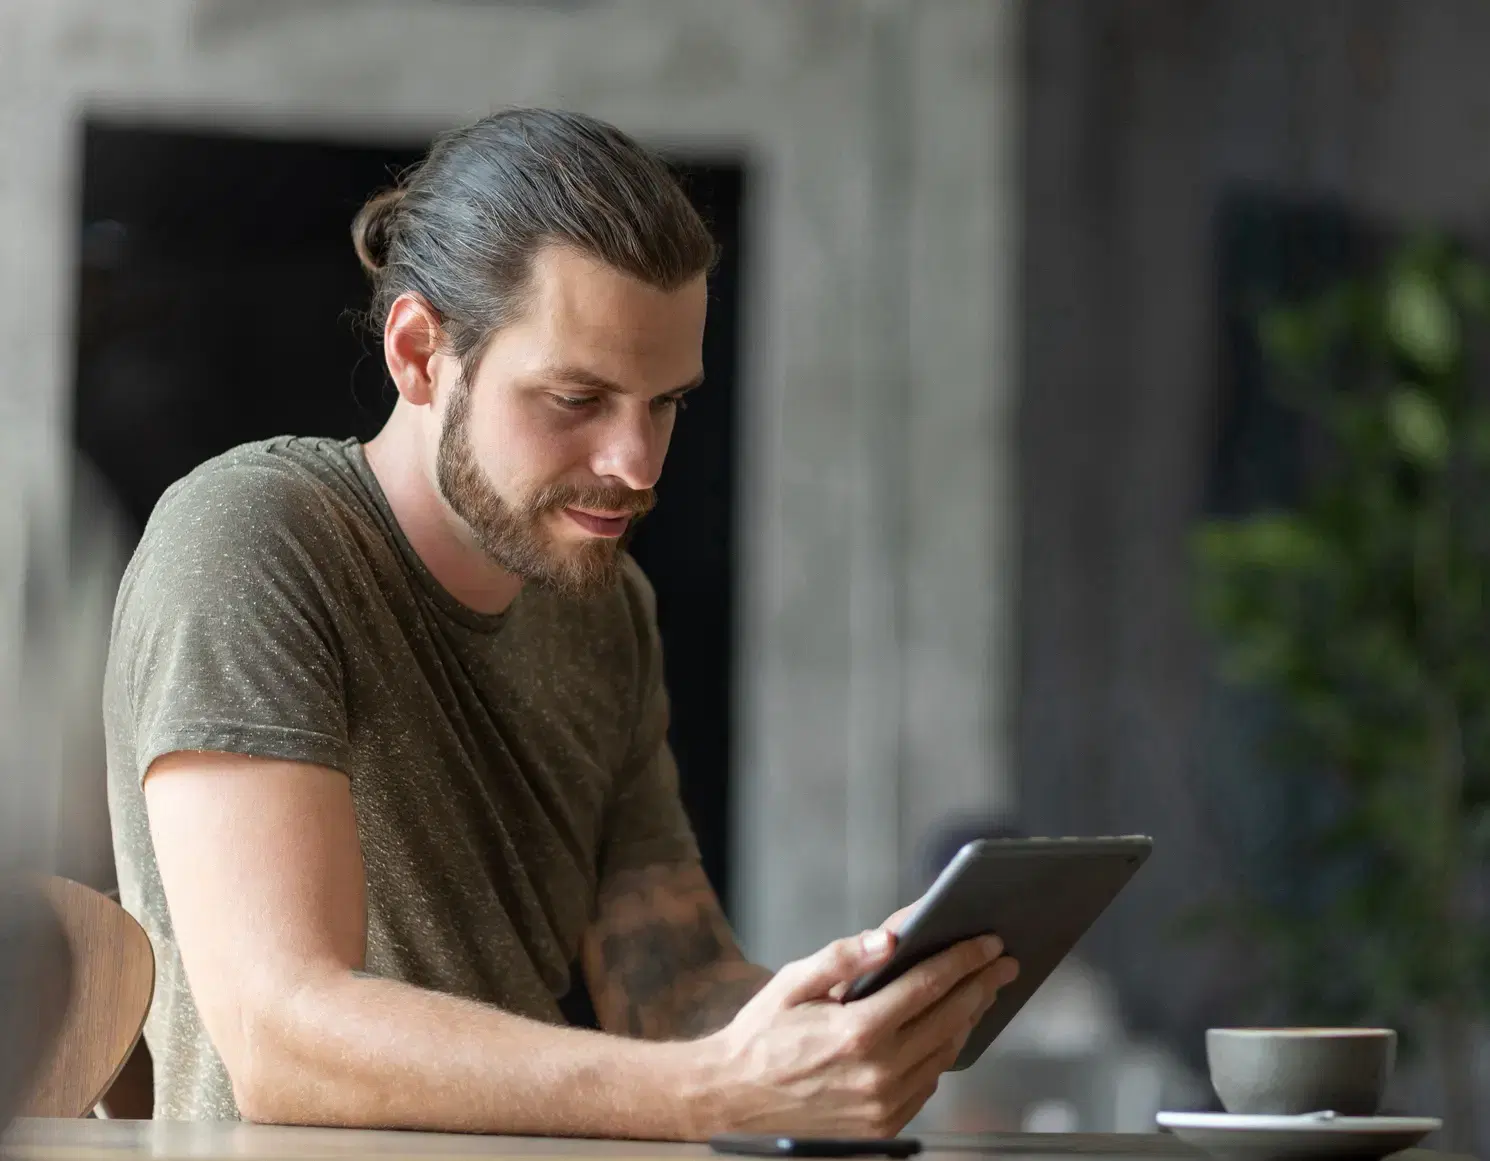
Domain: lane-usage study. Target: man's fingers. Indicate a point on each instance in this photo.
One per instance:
(928, 982)
(954, 1017)
(920, 1084)
(840, 963)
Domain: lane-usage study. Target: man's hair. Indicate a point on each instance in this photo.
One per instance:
(460, 229)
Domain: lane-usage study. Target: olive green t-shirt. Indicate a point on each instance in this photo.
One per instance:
(501, 766)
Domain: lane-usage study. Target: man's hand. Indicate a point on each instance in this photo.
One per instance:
(893, 926)
(797, 1060)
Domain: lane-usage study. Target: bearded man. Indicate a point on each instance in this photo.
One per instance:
(387, 728)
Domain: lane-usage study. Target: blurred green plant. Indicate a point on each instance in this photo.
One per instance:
(1364, 615)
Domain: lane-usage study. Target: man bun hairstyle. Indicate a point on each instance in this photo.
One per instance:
(460, 229)
(371, 230)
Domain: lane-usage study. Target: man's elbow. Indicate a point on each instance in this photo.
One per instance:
(257, 1066)
(257, 1105)
(271, 1061)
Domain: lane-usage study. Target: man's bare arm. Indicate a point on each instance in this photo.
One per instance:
(263, 876)
(264, 879)
(661, 961)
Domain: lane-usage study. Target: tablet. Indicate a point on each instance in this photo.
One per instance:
(1038, 895)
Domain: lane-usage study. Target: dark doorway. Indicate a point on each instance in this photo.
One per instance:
(217, 304)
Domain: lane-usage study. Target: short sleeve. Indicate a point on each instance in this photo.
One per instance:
(224, 637)
(645, 820)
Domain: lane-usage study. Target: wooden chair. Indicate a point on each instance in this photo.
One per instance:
(113, 980)
(35, 971)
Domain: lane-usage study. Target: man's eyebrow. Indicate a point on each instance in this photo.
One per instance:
(583, 378)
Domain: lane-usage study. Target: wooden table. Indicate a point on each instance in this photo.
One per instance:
(97, 1140)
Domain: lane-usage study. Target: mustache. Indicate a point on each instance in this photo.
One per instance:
(556, 496)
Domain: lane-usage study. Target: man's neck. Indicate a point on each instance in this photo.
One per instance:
(435, 533)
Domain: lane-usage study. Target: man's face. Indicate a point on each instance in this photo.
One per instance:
(551, 451)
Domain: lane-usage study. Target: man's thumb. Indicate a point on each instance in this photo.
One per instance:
(841, 962)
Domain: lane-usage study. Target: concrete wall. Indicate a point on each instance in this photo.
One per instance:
(878, 379)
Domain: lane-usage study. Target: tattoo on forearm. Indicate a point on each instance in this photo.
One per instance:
(661, 961)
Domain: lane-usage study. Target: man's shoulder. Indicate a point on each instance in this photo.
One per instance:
(289, 483)
(282, 499)
(263, 475)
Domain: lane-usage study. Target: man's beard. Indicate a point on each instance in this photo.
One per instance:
(514, 536)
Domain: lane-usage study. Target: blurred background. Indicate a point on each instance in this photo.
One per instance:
(1093, 444)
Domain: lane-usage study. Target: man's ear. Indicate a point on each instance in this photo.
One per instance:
(411, 342)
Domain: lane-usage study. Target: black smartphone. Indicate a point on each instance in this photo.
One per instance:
(783, 1145)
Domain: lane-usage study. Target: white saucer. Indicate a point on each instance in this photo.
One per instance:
(1313, 1135)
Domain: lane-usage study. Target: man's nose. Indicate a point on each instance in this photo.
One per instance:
(632, 452)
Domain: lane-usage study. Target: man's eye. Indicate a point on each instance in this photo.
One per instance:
(574, 402)
(676, 402)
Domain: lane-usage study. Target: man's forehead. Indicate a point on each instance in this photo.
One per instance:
(594, 311)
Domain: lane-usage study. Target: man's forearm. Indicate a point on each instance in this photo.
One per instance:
(358, 1051)
(661, 961)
